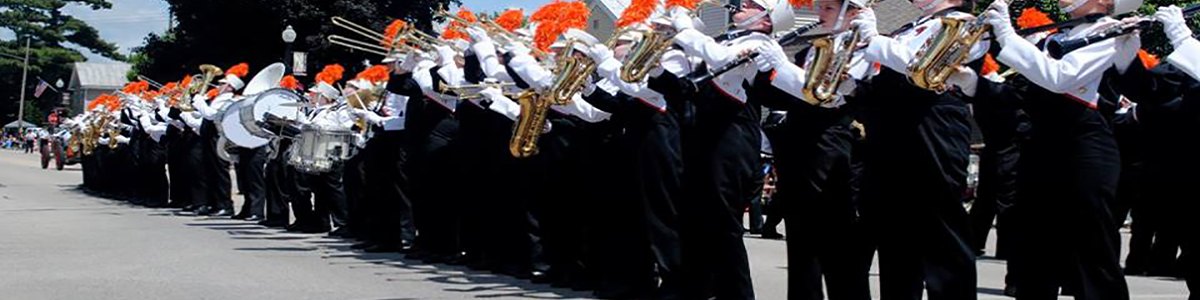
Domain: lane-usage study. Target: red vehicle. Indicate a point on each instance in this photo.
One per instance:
(56, 147)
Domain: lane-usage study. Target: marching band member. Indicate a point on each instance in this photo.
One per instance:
(329, 203)
(1068, 235)
(216, 170)
(812, 160)
(914, 169)
(650, 168)
(721, 150)
(1165, 97)
(283, 182)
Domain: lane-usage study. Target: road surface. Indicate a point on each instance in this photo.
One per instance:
(57, 243)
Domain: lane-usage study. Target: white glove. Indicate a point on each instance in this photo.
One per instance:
(997, 16)
(866, 24)
(770, 56)
(122, 139)
(199, 98)
(965, 79)
(1174, 25)
(445, 55)
(478, 35)
(600, 53)
(492, 93)
(681, 20)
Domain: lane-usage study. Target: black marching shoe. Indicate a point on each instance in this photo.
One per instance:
(205, 210)
(240, 216)
(222, 213)
(273, 224)
(254, 218)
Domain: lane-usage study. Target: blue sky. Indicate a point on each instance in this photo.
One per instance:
(129, 21)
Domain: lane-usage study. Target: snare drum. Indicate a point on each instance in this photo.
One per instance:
(318, 151)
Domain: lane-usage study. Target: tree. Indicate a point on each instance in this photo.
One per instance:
(49, 30)
(226, 32)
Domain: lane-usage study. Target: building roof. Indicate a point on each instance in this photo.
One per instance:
(99, 75)
(898, 13)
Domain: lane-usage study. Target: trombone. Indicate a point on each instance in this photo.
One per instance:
(471, 91)
(492, 29)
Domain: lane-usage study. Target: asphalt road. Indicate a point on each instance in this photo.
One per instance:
(57, 243)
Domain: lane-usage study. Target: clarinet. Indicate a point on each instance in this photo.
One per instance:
(1059, 49)
(788, 39)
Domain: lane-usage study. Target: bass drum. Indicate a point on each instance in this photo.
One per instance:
(233, 130)
(281, 103)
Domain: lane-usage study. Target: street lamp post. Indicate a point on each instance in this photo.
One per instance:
(289, 36)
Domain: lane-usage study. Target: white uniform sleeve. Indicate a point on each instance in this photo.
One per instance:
(506, 107)
(1064, 75)
(531, 72)
(1187, 58)
(610, 70)
(192, 120)
(485, 51)
(698, 44)
(584, 110)
(200, 102)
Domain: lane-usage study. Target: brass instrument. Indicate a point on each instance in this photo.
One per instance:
(571, 74)
(208, 72)
(409, 39)
(493, 29)
(646, 53)
(944, 53)
(367, 99)
(471, 91)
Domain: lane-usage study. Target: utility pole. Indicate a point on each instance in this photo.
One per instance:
(24, 74)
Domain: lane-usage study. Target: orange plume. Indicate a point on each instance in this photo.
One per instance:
(239, 70)
(800, 3)
(389, 34)
(1032, 17)
(212, 94)
(110, 102)
(511, 19)
(186, 82)
(149, 96)
(170, 86)
(376, 73)
(687, 4)
(555, 18)
(134, 88)
(637, 12)
(455, 29)
(989, 65)
(331, 74)
(1148, 60)
(289, 82)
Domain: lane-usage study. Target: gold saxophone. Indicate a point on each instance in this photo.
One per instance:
(571, 73)
(945, 52)
(366, 99)
(645, 54)
(829, 67)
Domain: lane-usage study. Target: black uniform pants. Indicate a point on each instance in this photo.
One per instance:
(329, 203)
(284, 185)
(152, 167)
(251, 173)
(216, 170)
(1066, 185)
(432, 178)
(719, 176)
(914, 175)
(354, 182)
(826, 238)
(391, 215)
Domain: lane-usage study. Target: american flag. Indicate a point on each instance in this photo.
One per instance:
(42, 85)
